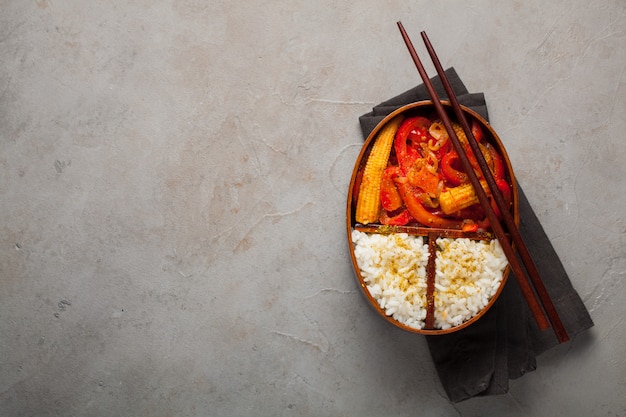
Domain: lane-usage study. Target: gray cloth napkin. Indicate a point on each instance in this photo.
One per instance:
(480, 359)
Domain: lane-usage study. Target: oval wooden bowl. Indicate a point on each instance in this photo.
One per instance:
(426, 108)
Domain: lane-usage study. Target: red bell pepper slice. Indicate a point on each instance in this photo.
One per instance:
(450, 173)
(469, 226)
(505, 190)
(410, 134)
(389, 196)
(477, 131)
(401, 219)
(498, 163)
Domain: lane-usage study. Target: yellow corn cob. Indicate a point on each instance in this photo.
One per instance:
(460, 133)
(458, 198)
(368, 203)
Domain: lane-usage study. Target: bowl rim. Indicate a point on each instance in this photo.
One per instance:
(350, 216)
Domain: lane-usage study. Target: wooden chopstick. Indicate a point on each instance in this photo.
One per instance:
(522, 249)
(518, 271)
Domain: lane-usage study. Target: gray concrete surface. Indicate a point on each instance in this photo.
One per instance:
(173, 177)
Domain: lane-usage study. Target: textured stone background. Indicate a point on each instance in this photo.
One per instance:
(172, 189)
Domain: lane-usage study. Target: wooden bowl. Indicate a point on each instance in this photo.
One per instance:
(425, 108)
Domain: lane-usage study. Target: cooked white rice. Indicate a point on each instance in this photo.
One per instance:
(393, 266)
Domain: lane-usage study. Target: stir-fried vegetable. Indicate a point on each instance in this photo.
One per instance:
(413, 175)
(368, 203)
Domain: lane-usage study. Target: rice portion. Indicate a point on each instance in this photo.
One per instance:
(394, 270)
(468, 275)
(393, 267)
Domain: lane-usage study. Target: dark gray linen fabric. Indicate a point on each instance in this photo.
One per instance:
(480, 359)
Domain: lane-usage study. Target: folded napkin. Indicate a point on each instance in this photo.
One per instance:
(480, 359)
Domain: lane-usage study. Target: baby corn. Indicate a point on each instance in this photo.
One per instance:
(460, 133)
(458, 198)
(368, 203)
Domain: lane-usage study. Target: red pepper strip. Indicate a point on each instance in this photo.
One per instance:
(477, 131)
(470, 226)
(498, 163)
(389, 195)
(505, 189)
(398, 220)
(451, 174)
(417, 129)
(409, 134)
(419, 213)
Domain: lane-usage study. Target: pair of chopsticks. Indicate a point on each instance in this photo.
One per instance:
(524, 255)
